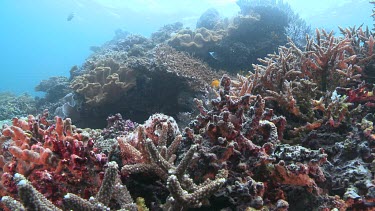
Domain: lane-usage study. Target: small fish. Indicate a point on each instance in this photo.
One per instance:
(214, 55)
(215, 84)
(70, 16)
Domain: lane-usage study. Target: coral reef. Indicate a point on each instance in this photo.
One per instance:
(55, 156)
(164, 81)
(297, 28)
(296, 133)
(309, 84)
(165, 32)
(234, 44)
(117, 126)
(146, 152)
(200, 41)
(111, 188)
(12, 105)
(55, 88)
(209, 19)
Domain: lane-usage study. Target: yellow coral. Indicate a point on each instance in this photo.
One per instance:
(215, 84)
(141, 205)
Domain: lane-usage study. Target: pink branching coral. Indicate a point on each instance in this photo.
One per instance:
(55, 157)
(111, 188)
(306, 83)
(240, 134)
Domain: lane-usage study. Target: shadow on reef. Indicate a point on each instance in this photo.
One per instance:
(164, 94)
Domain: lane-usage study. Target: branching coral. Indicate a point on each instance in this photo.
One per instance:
(110, 188)
(56, 158)
(233, 153)
(153, 156)
(303, 82)
(240, 134)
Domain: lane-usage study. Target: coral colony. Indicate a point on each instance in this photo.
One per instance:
(294, 133)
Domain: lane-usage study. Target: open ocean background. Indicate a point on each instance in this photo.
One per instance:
(38, 42)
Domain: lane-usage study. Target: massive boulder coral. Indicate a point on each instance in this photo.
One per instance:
(251, 36)
(209, 19)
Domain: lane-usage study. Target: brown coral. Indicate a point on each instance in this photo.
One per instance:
(104, 85)
(198, 41)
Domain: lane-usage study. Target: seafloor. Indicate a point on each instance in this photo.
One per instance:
(252, 112)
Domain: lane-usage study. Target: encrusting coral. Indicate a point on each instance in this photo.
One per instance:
(200, 41)
(103, 84)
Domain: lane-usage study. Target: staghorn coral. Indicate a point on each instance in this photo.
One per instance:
(329, 166)
(31, 198)
(298, 79)
(243, 139)
(146, 152)
(111, 188)
(362, 41)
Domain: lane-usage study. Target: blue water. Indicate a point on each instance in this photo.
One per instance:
(38, 42)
